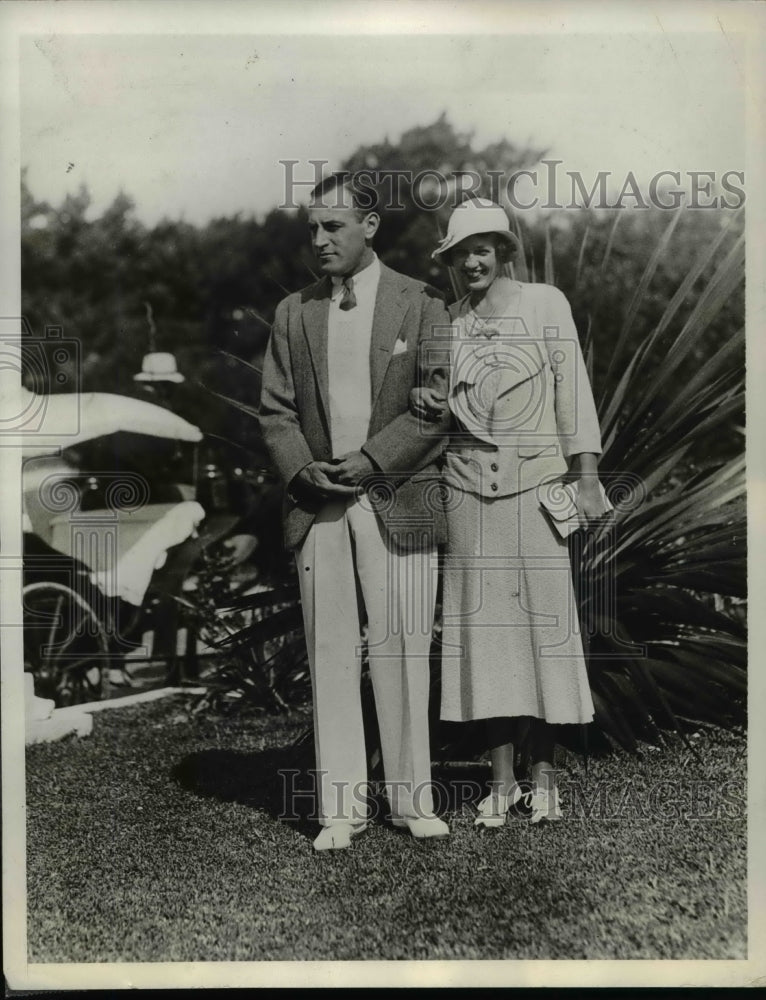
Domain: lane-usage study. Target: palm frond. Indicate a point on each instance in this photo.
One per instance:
(251, 411)
(616, 357)
(548, 269)
(519, 267)
(241, 361)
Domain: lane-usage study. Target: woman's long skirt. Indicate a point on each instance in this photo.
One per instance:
(511, 638)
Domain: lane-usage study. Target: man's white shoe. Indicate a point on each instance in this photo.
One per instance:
(422, 827)
(337, 836)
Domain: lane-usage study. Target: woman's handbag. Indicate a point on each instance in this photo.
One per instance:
(558, 500)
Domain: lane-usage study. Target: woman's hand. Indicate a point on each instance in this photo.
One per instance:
(427, 403)
(590, 502)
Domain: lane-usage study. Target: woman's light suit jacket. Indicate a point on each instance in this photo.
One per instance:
(520, 394)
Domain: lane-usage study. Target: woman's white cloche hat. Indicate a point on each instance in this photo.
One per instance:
(478, 215)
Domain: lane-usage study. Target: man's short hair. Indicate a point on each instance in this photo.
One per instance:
(364, 197)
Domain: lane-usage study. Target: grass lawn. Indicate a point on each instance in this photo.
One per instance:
(158, 839)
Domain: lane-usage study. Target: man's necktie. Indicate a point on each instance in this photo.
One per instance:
(348, 301)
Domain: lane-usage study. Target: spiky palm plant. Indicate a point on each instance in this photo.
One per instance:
(656, 587)
(662, 647)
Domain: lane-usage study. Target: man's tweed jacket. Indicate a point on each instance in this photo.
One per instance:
(294, 412)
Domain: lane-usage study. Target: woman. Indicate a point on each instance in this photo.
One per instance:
(524, 422)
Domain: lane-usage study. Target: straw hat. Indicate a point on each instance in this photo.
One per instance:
(159, 367)
(478, 215)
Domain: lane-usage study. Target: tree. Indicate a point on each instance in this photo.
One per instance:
(409, 180)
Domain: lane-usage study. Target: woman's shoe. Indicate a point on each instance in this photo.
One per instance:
(494, 809)
(545, 805)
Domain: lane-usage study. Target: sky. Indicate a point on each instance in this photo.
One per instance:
(195, 126)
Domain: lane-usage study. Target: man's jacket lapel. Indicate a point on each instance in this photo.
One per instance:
(390, 308)
(315, 312)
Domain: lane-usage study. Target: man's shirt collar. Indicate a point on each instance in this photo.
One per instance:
(362, 280)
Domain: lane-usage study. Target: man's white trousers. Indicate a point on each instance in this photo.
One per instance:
(347, 571)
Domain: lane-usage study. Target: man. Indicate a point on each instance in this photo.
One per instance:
(343, 356)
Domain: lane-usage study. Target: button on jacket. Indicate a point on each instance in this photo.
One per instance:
(519, 393)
